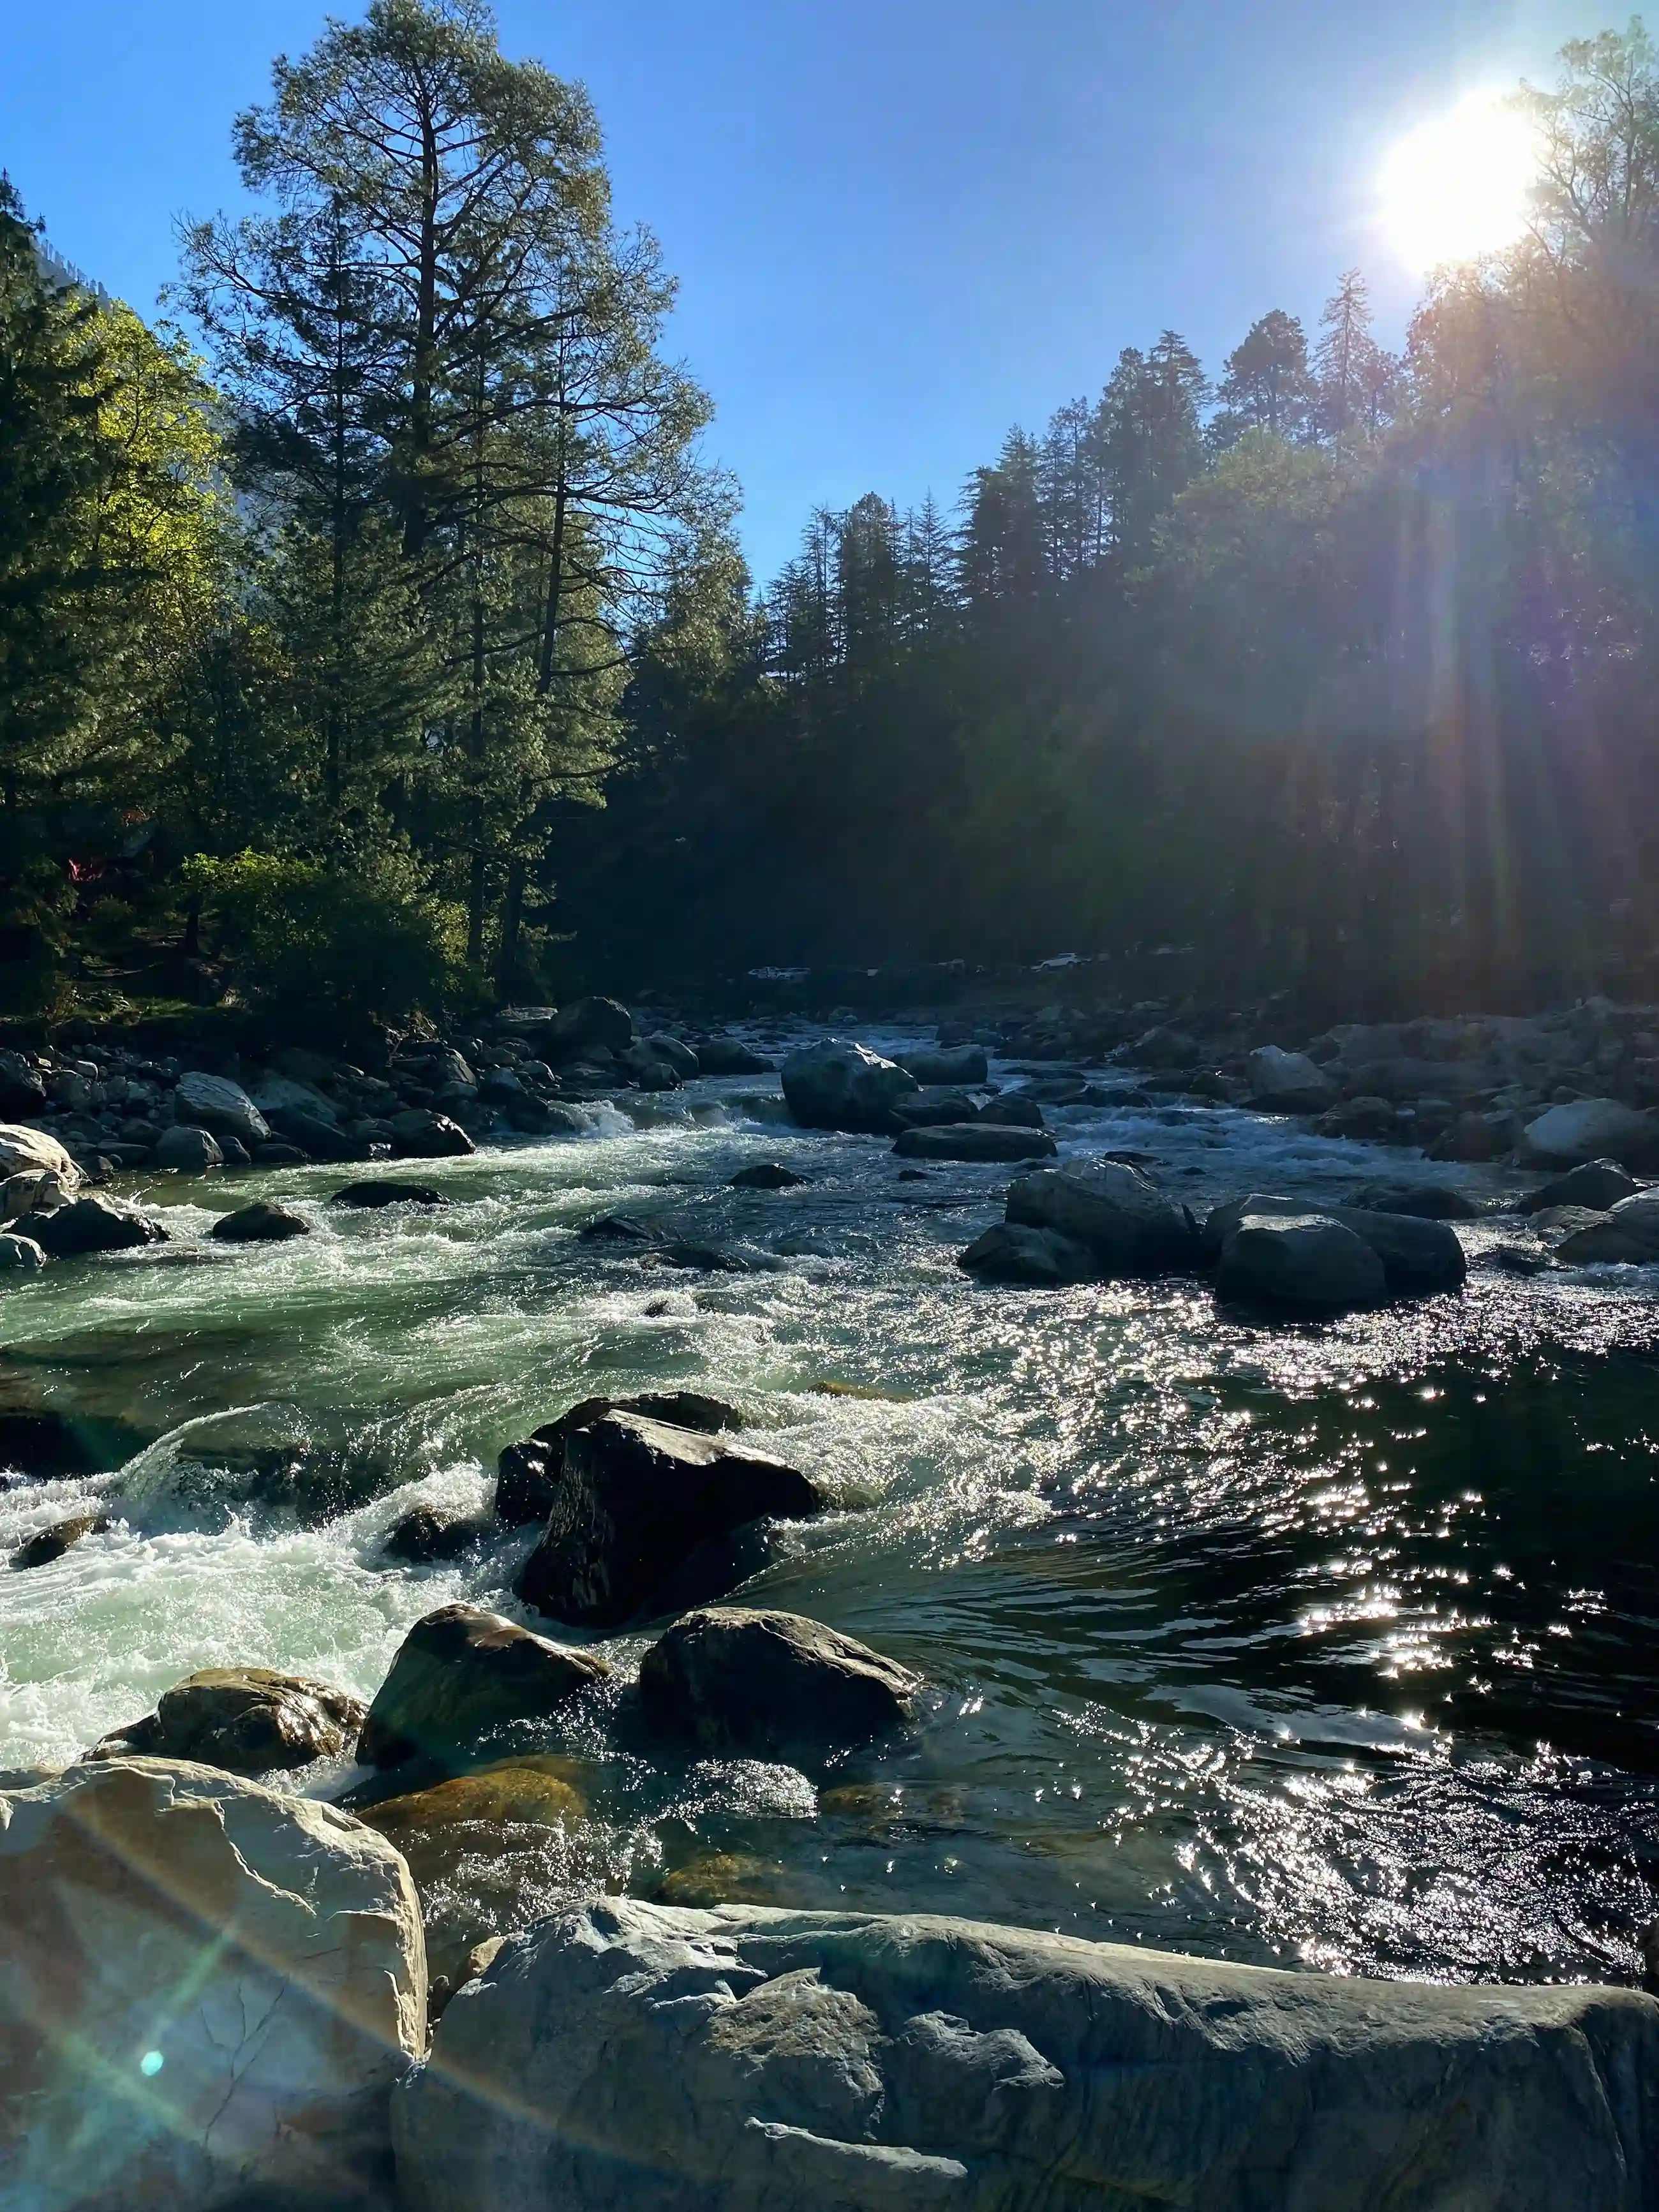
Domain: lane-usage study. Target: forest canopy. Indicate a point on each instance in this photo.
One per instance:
(386, 643)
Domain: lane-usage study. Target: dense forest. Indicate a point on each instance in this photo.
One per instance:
(385, 642)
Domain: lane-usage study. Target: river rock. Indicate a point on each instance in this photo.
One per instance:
(647, 1070)
(207, 1990)
(739, 1682)
(267, 1221)
(640, 1505)
(653, 2058)
(187, 1151)
(94, 1225)
(527, 1475)
(1472, 1138)
(721, 1056)
(933, 1109)
(839, 1084)
(460, 1674)
(589, 1022)
(767, 1174)
(423, 1535)
(373, 1193)
(213, 1101)
(247, 1720)
(23, 1150)
(1119, 1213)
(1013, 1110)
(1591, 1129)
(1287, 1082)
(1424, 1202)
(47, 1545)
(1598, 1184)
(1006, 1253)
(315, 1138)
(981, 1141)
(961, 1065)
(685, 1061)
(1306, 1261)
(1627, 1234)
(19, 1255)
(276, 1095)
(419, 1134)
(1418, 1256)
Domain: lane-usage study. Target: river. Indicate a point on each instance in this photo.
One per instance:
(1328, 1644)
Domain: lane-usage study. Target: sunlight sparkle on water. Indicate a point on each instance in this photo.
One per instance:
(1456, 186)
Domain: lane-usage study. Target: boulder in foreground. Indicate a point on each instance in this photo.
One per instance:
(527, 1475)
(460, 1674)
(1418, 1256)
(94, 1225)
(640, 1508)
(838, 1085)
(1305, 1261)
(207, 1990)
(646, 2059)
(47, 1545)
(1119, 1213)
(247, 1720)
(1006, 1253)
(763, 1683)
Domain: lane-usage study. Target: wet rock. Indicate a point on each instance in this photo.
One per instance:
(267, 1221)
(213, 1101)
(1424, 1202)
(19, 1255)
(716, 1259)
(467, 1812)
(278, 1095)
(418, 1134)
(1598, 1184)
(933, 1109)
(187, 1151)
(720, 1056)
(962, 1065)
(47, 1545)
(588, 1023)
(24, 1150)
(1418, 1256)
(1006, 1253)
(976, 1141)
(680, 1056)
(1472, 1138)
(461, 1674)
(247, 1720)
(94, 1225)
(646, 1070)
(637, 1502)
(1013, 1111)
(1305, 1261)
(278, 1153)
(738, 1680)
(746, 2057)
(1591, 1129)
(1287, 1082)
(207, 1988)
(767, 1174)
(423, 1535)
(1367, 1119)
(619, 1228)
(1626, 1235)
(315, 1138)
(527, 1475)
(1119, 1213)
(22, 1089)
(839, 1084)
(373, 1193)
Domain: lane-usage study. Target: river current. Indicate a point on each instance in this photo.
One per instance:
(1331, 1644)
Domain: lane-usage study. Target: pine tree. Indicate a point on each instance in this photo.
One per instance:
(1267, 385)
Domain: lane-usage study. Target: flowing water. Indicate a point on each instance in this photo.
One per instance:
(1328, 1644)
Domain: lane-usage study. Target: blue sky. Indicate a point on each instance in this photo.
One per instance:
(900, 225)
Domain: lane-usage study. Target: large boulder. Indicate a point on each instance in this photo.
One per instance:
(1591, 1129)
(528, 1473)
(94, 1225)
(985, 1141)
(1598, 1184)
(1006, 1253)
(1287, 1082)
(1305, 1261)
(51, 1543)
(24, 1150)
(643, 1508)
(267, 1221)
(1627, 1235)
(933, 1108)
(957, 1063)
(20, 1255)
(589, 1022)
(839, 1084)
(214, 1103)
(766, 1175)
(737, 1681)
(22, 1088)
(207, 1990)
(682, 1058)
(278, 1095)
(248, 1720)
(418, 1134)
(187, 1151)
(373, 1193)
(724, 1055)
(1015, 1110)
(1418, 1255)
(1119, 1213)
(459, 1675)
(650, 2058)
(647, 1070)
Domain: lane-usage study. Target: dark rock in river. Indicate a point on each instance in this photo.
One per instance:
(619, 1228)
(19, 1254)
(647, 1069)
(638, 1501)
(527, 1475)
(962, 1065)
(838, 1085)
(726, 1056)
(1013, 1110)
(1305, 1261)
(1475, 1137)
(739, 1682)
(1418, 1256)
(47, 1545)
(590, 1023)
(265, 1222)
(767, 1174)
(1627, 1235)
(373, 1193)
(933, 1109)
(94, 1225)
(1424, 1202)
(187, 1151)
(976, 1141)
(420, 1135)
(1006, 1253)
(685, 1062)
(317, 1137)
(460, 1674)
(1119, 1213)
(247, 1720)
(649, 2059)
(1598, 1184)
(1287, 1082)
(423, 1535)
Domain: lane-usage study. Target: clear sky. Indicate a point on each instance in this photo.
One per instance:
(900, 225)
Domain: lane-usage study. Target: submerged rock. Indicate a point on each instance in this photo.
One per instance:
(767, 1174)
(641, 2057)
(1006, 1253)
(267, 1221)
(637, 1500)
(761, 1684)
(373, 1193)
(527, 1475)
(977, 1140)
(47, 1545)
(1307, 1261)
(207, 1990)
(460, 1674)
(94, 1225)
(1119, 1213)
(247, 1720)
(466, 1811)
(838, 1085)
(423, 1535)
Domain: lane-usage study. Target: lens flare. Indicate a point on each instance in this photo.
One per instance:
(1457, 186)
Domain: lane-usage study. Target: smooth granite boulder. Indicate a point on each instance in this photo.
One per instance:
(207, 1990)
(1119, 1213)
(1598, 1184)
(763, 1683)
(1627, 1235)
(1418, 1256)
(633, 2058)
(267, 1221)
(1287, 1082)
(838, 1085)
(1006, 1253)
(187, 1151)
(20, 1255)
(1591, 1129)
(214, 1103)
(1305, 1261)
(460, 1674)
(963, 1065)
(247, 1720)
(528, 1473)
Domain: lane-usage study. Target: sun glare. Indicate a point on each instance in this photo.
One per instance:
(1456, 187)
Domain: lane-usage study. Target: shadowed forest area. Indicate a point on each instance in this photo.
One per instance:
(385, 642)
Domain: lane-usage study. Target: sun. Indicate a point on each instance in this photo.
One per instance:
(1456, 186)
